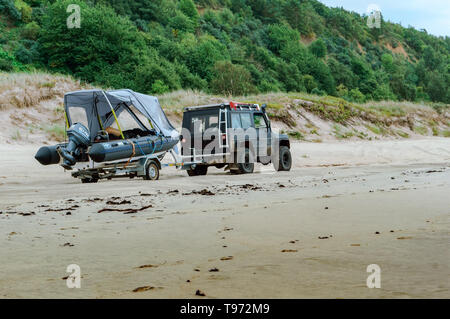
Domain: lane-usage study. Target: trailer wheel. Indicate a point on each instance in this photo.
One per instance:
(151, 171)
(199, 170)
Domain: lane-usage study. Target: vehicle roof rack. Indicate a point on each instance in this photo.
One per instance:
(232, 105)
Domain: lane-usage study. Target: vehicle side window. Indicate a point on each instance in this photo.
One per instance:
(259, 120)
(246, 120)
(235, 120)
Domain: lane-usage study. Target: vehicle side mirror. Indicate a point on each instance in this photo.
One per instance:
(263, 107)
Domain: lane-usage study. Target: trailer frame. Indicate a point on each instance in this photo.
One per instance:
(147, 167)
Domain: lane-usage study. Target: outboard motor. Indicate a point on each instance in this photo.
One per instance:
(79, 138)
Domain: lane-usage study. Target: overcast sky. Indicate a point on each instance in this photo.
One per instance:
(431, 15)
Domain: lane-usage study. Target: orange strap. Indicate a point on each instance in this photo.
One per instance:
(132, 155)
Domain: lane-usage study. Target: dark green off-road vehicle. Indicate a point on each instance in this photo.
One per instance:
(233, 136)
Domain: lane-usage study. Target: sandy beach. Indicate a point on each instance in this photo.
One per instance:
(308, 233)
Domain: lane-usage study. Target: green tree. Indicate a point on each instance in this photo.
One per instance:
(342, 91)
(437, 88)
(388, 62)
(107, 49)
(431, 58)
(189, 9)
(6, 61)
(31, 31)
(24, 9)
(356, 96)
(168, 44)
(383, 92)
(318, 48)
(182, 22)
(159, 87)
(230, 79)
(7, 7)
(202, 55)
(309, 82)
(279, 35)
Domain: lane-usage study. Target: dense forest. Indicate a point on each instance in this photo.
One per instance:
(226, 46)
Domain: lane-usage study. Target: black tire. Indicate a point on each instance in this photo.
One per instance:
(285, 162)
(152, 171)
(199, 170)
(246, 167)
(89, 180)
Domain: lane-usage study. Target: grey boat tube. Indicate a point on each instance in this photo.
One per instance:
(123, 149)
(48, 155)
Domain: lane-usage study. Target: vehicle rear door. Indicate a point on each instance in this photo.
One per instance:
(264, 136)
(204, 127)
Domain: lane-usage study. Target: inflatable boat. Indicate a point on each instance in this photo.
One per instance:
(103, 127)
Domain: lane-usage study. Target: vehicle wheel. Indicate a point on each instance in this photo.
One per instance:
(199, 170)
(151, 171)
(89, 180)
(285, 163)
(246, 167)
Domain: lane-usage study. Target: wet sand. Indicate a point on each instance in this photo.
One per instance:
(307, 233)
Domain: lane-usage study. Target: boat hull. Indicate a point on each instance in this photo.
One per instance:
(116, 150)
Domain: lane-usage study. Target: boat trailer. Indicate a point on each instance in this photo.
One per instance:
(147, 167)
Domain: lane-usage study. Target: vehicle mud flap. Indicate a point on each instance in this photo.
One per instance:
(275, 156)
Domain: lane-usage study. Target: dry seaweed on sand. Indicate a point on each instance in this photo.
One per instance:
(227, 258)
(200, 293)
(123, 202)
(144, 288)
(251, 187)
(62, 209)
(125, 210)
(204, 192)
(27, 214)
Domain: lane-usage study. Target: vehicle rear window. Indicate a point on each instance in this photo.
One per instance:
(236, 120)
(200, 123)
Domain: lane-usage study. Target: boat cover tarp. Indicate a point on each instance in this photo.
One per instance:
(98, 103)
